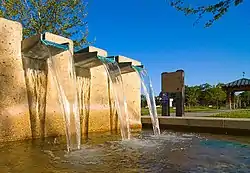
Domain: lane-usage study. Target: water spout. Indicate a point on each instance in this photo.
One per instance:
(66, 85)
(87, 60)
(40, 48)
(114, 74)
(149, 92)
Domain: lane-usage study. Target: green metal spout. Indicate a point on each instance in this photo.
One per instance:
(137, 67)
(64, 46)
(37, 47)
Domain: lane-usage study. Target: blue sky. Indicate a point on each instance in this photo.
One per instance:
(165, 40)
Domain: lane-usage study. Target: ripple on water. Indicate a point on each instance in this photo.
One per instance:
(169, 152)
(86, 155)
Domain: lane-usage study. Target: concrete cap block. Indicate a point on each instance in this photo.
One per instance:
(10, 23)
(29, 42)
(121, 59)
(100, 52)
(34, 43)
(58, 39)
(10, 35)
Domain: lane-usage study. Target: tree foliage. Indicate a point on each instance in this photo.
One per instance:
(192, 95)
(245, 99)
(204, 95)
(217, 96)
(65, 17)
(217, 9)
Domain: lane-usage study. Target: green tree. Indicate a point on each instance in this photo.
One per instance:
(216, 96)
(192, 95)
(204, 95)
(63, 17)
(218, 9)
(204, 98)
(245, 98)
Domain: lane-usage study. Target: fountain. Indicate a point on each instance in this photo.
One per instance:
(128, 67)
(115, 77)
(36, 83)
(87, 60)
(149, 92)
(39, 57)
(28, 102)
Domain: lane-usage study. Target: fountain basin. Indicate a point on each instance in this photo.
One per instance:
(170, 152)
(234, 126)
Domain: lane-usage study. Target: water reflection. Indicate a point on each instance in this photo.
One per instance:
(169, 152)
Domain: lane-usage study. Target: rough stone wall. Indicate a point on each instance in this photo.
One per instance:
(102, 115)
(132, 90)
(15, 115)
(14, 110)
(97, 109)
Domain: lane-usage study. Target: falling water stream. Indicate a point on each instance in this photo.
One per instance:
(38, 61)
(36, 82)
(149, 92)
(67, 91)
(83, 90)
(114, 74)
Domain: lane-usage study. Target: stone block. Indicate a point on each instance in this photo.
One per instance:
(102, 115)
(121, 58)
(100, 52)
(235, 123)
(29, 103)
(14, 110)
(132, 91)
(46, 115)
(205, 122)
(55, 124)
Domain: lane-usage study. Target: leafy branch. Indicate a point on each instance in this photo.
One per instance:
(65, 17)
(217, 10)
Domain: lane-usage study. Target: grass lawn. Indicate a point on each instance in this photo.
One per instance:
(145, 111)
(234, 114)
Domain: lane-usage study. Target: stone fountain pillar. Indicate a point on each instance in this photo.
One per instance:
(14, 110)
(132, 91)
(24, 83)
(96, 85)
(54, 116)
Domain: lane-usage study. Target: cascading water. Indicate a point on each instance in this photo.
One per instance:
(67, 91)
(149, 92)
(114, 74)
(83, 90)
(36, 83)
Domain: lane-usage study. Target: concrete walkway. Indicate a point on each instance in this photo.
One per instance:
(202, 114)
(234, 126)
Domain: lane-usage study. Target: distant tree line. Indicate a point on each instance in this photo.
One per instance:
(206, 95)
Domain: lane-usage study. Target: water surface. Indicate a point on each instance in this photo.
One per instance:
(171, 152)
